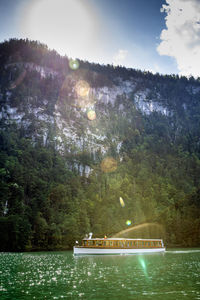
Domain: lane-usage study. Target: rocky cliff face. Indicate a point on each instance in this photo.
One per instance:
(82, 109)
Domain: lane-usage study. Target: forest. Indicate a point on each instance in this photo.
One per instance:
(46, 203)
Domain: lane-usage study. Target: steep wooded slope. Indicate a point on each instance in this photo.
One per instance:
(77, 136)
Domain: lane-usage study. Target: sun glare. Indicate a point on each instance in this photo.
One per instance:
(66, 25)
(82, 88)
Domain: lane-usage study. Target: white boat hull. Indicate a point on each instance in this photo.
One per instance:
(84, 250)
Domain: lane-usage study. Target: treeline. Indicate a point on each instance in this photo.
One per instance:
(24, 50)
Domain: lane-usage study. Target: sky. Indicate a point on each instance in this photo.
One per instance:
(153, 35)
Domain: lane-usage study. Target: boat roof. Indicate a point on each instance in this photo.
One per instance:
(120, 239)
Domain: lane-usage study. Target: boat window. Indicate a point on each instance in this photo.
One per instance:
(104, 243)
(111, 243)
(116, 243)
(127, 244)
(98, 243)
(85, 243)
(90, 243)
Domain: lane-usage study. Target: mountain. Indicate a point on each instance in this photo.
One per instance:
(77, 137)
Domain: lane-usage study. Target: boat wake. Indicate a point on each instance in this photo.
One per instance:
(182, 251)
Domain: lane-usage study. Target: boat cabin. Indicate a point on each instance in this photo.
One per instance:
(118, 243)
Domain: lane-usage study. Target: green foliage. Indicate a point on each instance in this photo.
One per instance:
(44, 201)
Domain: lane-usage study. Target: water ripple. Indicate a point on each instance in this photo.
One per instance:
(59, 275)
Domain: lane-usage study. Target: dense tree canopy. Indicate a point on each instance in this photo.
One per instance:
(47, 203)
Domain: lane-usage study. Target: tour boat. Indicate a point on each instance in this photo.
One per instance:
(119, 246)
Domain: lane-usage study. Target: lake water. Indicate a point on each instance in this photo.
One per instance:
(59, 275)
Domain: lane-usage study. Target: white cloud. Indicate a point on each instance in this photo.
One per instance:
(119, 57)
(181, 38)
(155, 69)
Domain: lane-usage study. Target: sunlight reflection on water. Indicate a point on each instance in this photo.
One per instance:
(57, 275)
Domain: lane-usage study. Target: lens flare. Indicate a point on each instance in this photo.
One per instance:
(143, 265)
(142, 262)
(128, 222)
(121, 201)
(148, 230)
(81, 96)
(108, 165)
(73, 64)
(91, 115)
(82, 89)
